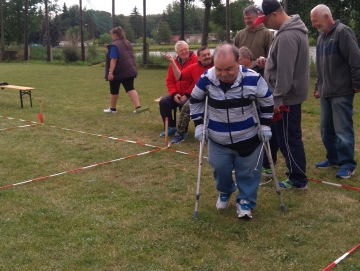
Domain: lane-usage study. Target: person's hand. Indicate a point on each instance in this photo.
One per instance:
(110, 77)
(261, 61)
(266, 132)
(277, 110)
(177, 98)
(317, 94)
(168, 57)
(356, 90)
(199, 132)
(183, 99)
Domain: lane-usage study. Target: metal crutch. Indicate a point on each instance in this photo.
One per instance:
(197, 197)
(252, 98)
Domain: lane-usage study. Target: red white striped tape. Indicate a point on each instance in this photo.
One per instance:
(341, 258)
(16, 127)
(78, 169)
(109, 137)
(335, 184)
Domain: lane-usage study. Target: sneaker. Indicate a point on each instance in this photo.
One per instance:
(243, 209)
(109, 110)
(287, 184)
(171, 132)
(141, 110)
(325, 164)
(177, 139)
(266, 172)
(345, 173)
(222, 202)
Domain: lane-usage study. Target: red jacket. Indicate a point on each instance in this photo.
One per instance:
(193, 73)
(175, 86)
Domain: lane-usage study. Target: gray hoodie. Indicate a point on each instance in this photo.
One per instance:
(287, 69)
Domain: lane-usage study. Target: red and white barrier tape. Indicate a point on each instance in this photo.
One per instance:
(335, 184)
(16, 127)
(78, 169)
(341, 258)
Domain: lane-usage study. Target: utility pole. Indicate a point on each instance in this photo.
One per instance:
(2, 29)
(113, 14)
(182, 20)
(227, 21)
(145, 45)
(26, 49)
(48, 55)
(285, 2)
(81, 33)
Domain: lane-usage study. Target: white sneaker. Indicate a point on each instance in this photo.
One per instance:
(243, 209)
(223, 202)
(109, 111)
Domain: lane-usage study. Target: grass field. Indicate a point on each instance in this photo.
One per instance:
(135, 212)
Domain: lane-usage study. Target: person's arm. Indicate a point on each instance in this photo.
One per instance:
(350, 51)
(171, 82)
(113, 59)
(286, 59)
(268, 43)
(176, 70)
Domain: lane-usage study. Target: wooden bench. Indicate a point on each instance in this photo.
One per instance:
(22, 90)
(9, 55)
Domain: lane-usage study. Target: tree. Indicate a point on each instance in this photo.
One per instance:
(164, 32)
(136, 22)
(13, 12)
(208, 4)
(347, 11)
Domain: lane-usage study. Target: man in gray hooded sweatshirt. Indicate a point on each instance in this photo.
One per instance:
(287, 75)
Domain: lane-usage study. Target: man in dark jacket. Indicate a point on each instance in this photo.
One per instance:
(287, 73)
(338, 79)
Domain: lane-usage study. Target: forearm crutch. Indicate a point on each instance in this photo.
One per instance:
(202, 142)
(266, 145)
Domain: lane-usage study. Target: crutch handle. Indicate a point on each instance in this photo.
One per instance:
(252, 98)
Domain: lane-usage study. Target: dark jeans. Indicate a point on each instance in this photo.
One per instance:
(167, 104)
(289, 136)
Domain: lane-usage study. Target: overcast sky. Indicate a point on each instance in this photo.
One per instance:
(124, 6)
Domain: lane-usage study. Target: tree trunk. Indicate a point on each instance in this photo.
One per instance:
(205, 34)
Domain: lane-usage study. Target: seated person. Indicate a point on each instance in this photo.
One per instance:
(192, 74)
(179, 91)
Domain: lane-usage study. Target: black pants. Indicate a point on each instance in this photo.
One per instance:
(289, 136)
(166, 105)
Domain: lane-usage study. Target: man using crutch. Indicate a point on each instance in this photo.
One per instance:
(234, 138)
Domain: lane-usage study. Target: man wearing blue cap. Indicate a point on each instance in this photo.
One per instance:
(287, 75)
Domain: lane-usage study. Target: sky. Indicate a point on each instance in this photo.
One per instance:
(123, 6)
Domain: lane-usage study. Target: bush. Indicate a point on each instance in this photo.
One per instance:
(71, 53)
(312, 66)
(312, 41)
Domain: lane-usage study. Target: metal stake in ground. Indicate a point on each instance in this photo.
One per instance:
(197, 197)
(252, 98)
(166, 132)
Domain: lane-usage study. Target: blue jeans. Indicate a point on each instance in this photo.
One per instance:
(247, 171)
(337, 130)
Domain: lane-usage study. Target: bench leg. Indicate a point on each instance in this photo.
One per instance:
(22, 93)
(21, 100)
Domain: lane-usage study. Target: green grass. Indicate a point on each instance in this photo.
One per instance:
(137, 213)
